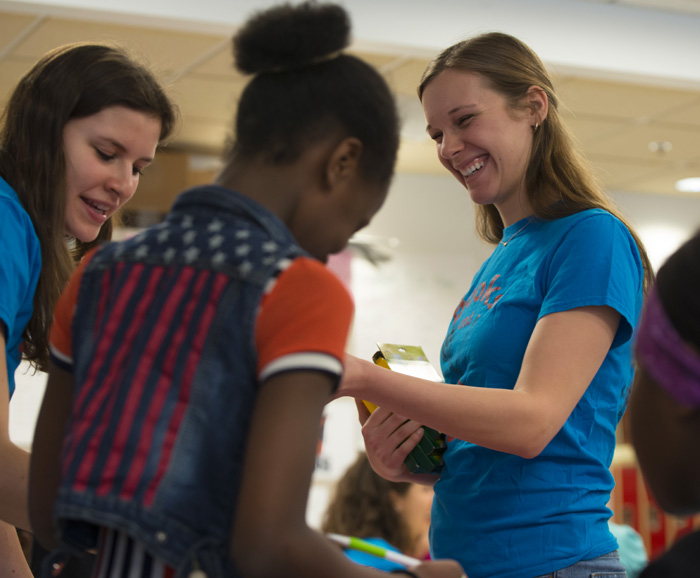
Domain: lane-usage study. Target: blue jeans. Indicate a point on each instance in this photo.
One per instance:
(605, 566)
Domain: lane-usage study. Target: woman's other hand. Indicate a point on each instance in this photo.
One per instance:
(389, 438)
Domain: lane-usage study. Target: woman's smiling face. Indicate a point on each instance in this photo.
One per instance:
(104, 154)
(482, 141)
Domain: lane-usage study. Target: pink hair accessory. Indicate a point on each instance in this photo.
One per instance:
(666, 356)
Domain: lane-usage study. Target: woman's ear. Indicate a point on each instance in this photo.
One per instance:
(538, 104)
(343, 162)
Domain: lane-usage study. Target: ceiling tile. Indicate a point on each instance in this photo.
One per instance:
(634, 143)
(202, 135)
(12, 26)
(621, 100)
(166, 50)
(219, 64)
(11, 70)
(378, 60)
(589, 130)
(206, 98)
(406, 75)
(687, 115)
(613, 122)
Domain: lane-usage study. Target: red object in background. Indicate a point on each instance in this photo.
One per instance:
(657, 529)
(685, 526)
(630, 497)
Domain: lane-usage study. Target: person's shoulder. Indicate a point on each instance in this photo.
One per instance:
(16, 226)
(11, 205)
(595, 224)
(591, 216)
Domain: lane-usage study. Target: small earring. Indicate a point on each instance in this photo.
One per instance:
(537, 125)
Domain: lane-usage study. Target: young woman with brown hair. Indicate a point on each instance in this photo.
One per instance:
(537, 359)
(77, 132)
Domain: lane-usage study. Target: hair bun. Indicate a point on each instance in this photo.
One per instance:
(288, 37)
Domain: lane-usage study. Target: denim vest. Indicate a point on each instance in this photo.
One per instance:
(165, 379)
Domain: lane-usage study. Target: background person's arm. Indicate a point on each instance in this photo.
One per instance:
(14, 477)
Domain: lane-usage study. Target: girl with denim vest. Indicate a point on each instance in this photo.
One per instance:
(191, 363)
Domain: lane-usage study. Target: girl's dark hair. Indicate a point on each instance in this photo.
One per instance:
(362, 506)
(678, 286)
(305, 88)
(73, 81)
(556, 171)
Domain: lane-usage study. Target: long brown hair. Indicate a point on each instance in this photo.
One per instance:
(73, 81)
(556, 171)
(362, 507)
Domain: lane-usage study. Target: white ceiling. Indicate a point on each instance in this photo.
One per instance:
(627, 71)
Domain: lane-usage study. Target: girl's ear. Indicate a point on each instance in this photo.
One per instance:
(538, 103)
(343, 162)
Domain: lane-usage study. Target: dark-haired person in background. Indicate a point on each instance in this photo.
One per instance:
(664, 410)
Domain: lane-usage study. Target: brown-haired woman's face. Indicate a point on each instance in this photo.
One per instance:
(479, 138)
(105, 154)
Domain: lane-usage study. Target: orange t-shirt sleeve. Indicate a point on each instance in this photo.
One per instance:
(304, 321)
(60, 337)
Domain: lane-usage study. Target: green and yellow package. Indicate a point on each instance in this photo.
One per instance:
(426, 457)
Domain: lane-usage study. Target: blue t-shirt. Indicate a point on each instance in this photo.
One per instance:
(366, 559)
(500, 515)
(20, 265)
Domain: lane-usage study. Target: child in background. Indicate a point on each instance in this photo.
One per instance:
(191, 363)
(393, 515)
(665, 405)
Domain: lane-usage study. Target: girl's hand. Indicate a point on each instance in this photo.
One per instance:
(439, 569)
(353, 377)
(389, 438)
